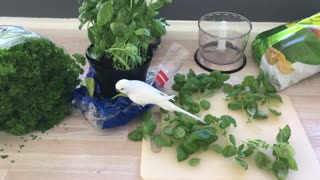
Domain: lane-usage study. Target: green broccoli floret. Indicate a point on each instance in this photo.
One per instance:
(37, 79)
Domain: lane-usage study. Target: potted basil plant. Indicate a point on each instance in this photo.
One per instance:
(120, 32)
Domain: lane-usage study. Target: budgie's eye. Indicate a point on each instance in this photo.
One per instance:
(121, 89)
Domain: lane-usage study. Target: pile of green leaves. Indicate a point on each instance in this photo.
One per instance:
(205, 85)
(189, 136)
(250, 93)
(122, 29)
(36, 82)
(282, 151)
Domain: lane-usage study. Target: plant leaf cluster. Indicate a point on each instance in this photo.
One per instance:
(185, 133)
(191, 84)
(252, 92)
(189, 136)
(121, 29)
(145, 130)
(37, 80)
(283, 153)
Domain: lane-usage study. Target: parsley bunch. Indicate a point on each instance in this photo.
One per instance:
(36, 82)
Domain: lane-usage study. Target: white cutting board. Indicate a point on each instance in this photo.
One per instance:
(161, 164)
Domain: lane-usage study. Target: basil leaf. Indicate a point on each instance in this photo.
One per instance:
(181, 153)
(135, 135)
(194, 162)
(234, 106)
(105, 13)
(227, 88)
(142, 31)
(280, 169)
(260, 115)
(118, 28)
(263, 161)
(149, 126)
(274, 112)
(191, 74)
(292, 164)
(205, 104)
(192, 147)
(161, 141)
(179, 132)
(147, 115)
(284, 135)
(229, 151)
(232, 139)
(284, 150)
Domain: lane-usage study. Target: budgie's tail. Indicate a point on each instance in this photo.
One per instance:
(171, 107)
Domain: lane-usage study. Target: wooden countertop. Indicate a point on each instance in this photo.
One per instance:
(76, 150)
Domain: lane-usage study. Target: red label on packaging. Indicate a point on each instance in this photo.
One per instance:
(159, 80)
(164, 76)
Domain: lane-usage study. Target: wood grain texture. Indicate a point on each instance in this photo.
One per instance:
(76, 150)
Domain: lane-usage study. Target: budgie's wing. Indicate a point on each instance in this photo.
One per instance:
(148, 91)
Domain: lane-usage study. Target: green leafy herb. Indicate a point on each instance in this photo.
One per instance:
(205, 104)
(249, 93)
(284, 135)
(194, 161)
(274, 112)
(37, 79)
(179, 132)
(181, 153)
(203, 84)
(121, 30)
(263, 161)
(161, 141)
(4, 156)
(136, 135)
(189, 136)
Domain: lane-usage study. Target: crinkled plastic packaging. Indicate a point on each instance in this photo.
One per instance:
(14, 35)
(104, 112)
(290, 52)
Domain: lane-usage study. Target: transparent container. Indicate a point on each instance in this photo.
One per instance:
(223, 37)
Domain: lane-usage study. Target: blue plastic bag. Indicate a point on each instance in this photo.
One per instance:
(105, 113)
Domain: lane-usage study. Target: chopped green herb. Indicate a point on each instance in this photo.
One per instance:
(194, 162)
(4, 156)
(205, 104)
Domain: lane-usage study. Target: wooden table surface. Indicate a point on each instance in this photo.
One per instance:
(75, 149)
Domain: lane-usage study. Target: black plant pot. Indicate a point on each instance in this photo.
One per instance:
(107, 76)
(155, 43)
